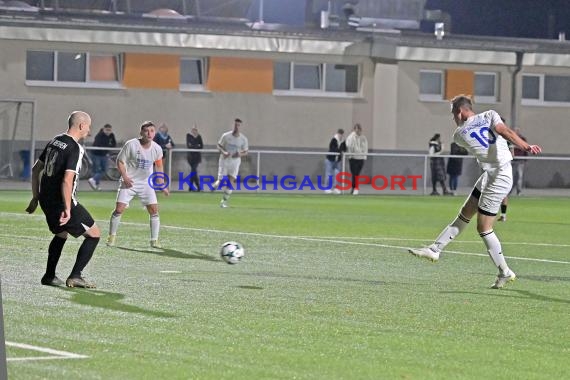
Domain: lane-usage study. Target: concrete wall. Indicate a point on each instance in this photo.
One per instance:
(269, 121)
(389, 110)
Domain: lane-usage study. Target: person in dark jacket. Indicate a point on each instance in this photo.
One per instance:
(333, 161)
(455, 165)
(165, 141)
(105, 138)
(437, 164)
(194, 141)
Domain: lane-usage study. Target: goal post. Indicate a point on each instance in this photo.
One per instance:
(17, 138)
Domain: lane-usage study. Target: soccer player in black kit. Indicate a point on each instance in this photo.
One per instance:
(54, 181)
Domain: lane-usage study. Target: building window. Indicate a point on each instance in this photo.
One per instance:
(557, 88)
(72, 69)
(486, 87)
(39, 65)
(307, 76)
(431, 85)
(322, 79)
(103, 68)
(542, 89)
(282, 76)
(341, 78)
(192, 73)
(531, 87)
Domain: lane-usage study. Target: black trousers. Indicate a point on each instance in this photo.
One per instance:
(195, 179)
(355, 168)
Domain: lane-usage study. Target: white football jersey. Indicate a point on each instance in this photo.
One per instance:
(233, 144)
(138, 160)
(478, 135)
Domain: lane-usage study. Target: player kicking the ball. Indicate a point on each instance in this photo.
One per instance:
(485, 136)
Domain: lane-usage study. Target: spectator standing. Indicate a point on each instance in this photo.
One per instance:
(519, 164)
(194, 141)
(455, 166)
(357, 147)
(437, 164)
(105, 138)
(165, 141)
(333, 161)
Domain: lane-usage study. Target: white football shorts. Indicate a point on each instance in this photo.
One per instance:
(228, 167)
(494, 184)
(146, 194)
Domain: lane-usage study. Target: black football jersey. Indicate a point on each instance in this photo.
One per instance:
(61, 154)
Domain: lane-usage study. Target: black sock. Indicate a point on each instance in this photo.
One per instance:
(503, 209)
(54, 252)
(84, 255)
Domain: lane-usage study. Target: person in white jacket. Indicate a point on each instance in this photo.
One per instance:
(356, 149)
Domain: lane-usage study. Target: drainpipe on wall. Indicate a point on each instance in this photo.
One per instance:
(514, 99)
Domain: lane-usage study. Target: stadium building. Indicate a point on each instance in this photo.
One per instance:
(331, 65)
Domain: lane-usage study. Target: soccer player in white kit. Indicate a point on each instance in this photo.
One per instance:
(485, 136)
(137, 161)
(233, 145)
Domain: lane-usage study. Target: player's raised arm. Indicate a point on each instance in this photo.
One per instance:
(513, 137)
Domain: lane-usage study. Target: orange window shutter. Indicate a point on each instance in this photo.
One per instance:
(459, 82)
(156, 71)
(240, 75)
(102, 68)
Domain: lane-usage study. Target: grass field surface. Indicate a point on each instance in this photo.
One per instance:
(327, 290)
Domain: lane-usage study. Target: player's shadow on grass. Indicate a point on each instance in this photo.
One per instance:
(110, 301)
(173, 253)
(544, 278)
(524, 294)
(316, 278)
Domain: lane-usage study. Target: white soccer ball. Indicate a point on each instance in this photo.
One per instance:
(232, 252)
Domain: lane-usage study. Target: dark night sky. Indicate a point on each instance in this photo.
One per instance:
(507, 18)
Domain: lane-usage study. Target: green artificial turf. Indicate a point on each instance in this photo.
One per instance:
(327, 290)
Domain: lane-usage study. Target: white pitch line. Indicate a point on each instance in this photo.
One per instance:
(346, 242)
(33, 358)
(57, 353)
(336, 241)
(423, 240)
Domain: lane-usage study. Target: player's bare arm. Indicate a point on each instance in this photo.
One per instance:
(36, 175)
(66, 191)
(123, 172)
(159, 168)
(513, 137)
(223, 151)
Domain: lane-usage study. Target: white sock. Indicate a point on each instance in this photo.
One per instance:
(495, 250)
(227, 194)
(114, 223)
(154, 226)
(449, 233)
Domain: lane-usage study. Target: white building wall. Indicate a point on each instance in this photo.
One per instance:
(269, 121)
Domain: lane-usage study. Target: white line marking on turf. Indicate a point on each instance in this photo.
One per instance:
(57, 354)
(170, 271)
(424, 240)
(336, 241)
